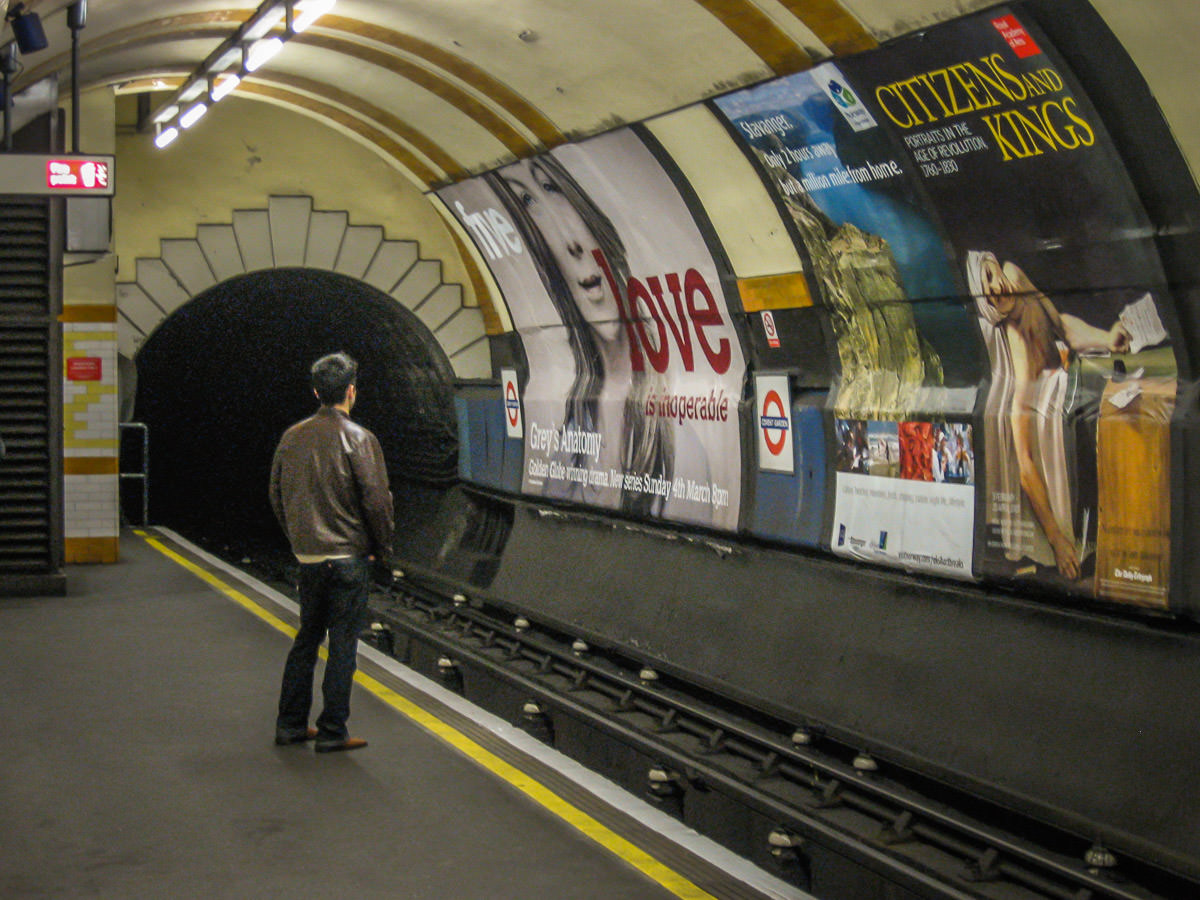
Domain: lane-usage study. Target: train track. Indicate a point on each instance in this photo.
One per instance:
(827, 804)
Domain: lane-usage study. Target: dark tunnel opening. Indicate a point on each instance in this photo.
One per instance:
(221, 378)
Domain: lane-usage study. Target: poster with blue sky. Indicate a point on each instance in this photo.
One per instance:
(880, 267)
(876, 256)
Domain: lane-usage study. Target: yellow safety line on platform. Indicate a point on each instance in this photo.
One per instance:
(212, 580)
(601, 834)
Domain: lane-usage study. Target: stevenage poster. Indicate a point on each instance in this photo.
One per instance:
(908, 349)
(1006, 381)
(635, 371)
(875, 252)
(1065, 284)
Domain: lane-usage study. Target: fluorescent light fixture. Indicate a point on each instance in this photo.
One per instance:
(166, 114)
(193, 115)
(193, 90)
(247, 49)
(231, 57)
(224, 87)
(308, 11)
(269, 20)
(261, 51)
(165, 137)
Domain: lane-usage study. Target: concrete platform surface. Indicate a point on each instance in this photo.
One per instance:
(138, 761)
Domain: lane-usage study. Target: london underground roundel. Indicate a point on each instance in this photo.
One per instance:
(774, 423)
(512, 403)
(773, 405)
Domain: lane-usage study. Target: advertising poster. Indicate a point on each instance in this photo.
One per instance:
(635, 371)
(905, 494)
(879, 262)
(907, 346)
(1066, 286)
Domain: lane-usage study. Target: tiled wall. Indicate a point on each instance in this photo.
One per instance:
(90, 440)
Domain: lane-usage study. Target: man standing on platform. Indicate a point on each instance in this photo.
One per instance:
(329, 490)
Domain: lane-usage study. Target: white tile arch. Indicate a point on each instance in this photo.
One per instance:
(290, 233)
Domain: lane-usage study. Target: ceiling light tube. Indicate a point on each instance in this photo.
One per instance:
(269, 20)
(250, 42)
(308, 11)
(193, 115)
(193, 90)
(224, 87)
(261, 51)
(231, 57)
(166, 114)
(166, 136)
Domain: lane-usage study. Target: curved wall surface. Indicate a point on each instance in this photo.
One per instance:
(1064, 715)
(926, 307)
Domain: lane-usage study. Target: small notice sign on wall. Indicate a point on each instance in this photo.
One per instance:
(83, 368)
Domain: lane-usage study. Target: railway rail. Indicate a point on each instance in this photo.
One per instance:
(823, 805)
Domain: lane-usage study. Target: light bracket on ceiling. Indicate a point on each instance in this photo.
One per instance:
(249, 48)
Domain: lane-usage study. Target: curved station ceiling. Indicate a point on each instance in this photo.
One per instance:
(449, 88)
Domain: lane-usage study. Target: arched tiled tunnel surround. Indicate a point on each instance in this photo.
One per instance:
(288, 233)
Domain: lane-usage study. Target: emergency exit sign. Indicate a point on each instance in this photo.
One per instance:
(65, 175)
(84, 368)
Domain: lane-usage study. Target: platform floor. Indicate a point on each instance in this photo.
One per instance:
(138, 761)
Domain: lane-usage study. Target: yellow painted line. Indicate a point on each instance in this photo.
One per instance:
(213, 581)
(530, 786)
(601, 834)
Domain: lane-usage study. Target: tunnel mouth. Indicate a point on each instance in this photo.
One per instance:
(223, 376)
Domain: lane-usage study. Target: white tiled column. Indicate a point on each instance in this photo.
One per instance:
(90, 440)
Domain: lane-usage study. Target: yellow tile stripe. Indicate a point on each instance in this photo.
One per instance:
(531, 787)
(443, 88)
(492, 323)
(837, 28)
(91, 550)
(786, 291)
(499, 93)
(91, 465)
(431, 150)
(89, 313)
(756, 30)
(315, 108)
(406, 158)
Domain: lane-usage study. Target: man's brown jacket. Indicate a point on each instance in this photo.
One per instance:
(329, 489)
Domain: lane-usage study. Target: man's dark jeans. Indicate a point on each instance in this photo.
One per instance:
(333, 598)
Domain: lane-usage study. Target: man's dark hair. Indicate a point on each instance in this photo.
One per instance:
(332, 376)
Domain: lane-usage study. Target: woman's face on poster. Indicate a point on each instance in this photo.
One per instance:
(571, 242)
(998, 290)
